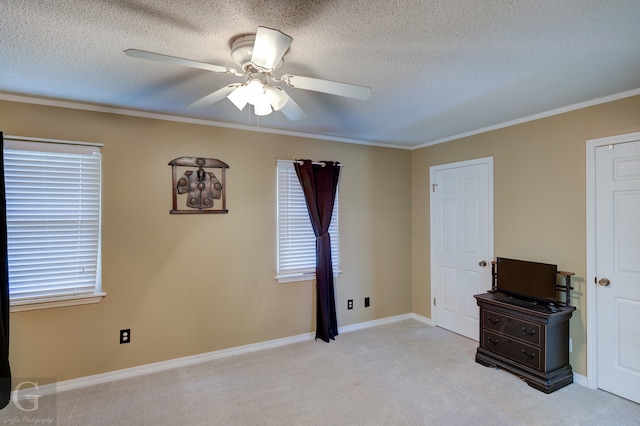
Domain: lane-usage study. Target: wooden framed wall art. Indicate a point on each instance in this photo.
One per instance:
(198, 184)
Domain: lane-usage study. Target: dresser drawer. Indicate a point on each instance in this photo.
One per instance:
(512, 349)
(512, 327)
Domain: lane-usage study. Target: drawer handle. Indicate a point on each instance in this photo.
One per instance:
(492, 321)
(492, 342)
(524, 353)
(533, 332)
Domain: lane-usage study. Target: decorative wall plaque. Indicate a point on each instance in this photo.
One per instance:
(198, 188)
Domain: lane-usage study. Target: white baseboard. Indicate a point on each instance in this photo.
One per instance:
(210, 356)
(373, 323)
(579, 379)
(422, 319)
(164, 365)
(190, 360)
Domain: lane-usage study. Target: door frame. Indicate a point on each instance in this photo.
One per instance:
(457, 164)
(592, 294)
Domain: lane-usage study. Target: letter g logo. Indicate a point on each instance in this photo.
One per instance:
(33, 399)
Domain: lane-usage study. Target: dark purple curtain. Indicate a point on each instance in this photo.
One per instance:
(319, 183)
(5, 369)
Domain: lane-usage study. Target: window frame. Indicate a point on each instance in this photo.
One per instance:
(287, 193)
(73, 147)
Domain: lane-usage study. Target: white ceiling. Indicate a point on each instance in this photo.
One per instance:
(437, 68)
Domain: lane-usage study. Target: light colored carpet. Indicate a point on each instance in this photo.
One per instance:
(404, 373)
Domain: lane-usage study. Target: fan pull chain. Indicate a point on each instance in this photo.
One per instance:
(257, 119)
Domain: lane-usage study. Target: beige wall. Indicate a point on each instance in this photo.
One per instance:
(191, 284)
(539, 196)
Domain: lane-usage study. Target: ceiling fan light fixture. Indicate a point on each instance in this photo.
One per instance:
(239, 97)
(262, 106)
(255, 90)
(278, 98)
(264, 98)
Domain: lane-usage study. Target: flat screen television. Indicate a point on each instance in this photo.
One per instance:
(527, 280)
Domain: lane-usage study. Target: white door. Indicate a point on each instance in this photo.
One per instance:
(617, 207)
(461, 242)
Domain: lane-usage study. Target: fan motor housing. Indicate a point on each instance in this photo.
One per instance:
(242, 50)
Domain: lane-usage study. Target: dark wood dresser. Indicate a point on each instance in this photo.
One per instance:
(526, 339)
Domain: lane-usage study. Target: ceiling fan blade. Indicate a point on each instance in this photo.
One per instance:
(268, 48)
(143, 54)
(292, 111)
(327, 86)
(214, 97)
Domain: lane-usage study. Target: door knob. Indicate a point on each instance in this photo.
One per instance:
(604, 282)
(482, 263)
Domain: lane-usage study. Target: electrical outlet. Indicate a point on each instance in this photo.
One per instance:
(350, 304)
(570, 344)
(367, 302)
(125, 336)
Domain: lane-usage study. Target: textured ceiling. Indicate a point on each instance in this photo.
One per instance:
(436, 68)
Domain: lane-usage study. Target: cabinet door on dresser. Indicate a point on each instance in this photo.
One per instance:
(513, 349)
(512, 326)
(513, 338)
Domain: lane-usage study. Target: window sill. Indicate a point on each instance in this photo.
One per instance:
(55, 302)
(303, 276)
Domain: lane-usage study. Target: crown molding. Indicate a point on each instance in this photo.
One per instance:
(550, 113)
(203, 122)
(168, 117)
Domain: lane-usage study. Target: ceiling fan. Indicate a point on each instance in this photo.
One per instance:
(258, 55)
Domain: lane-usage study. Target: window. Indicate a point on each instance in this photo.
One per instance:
(53, 223)
(296, 240)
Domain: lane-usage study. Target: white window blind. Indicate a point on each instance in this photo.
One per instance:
(296, 240)
(53, 221)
